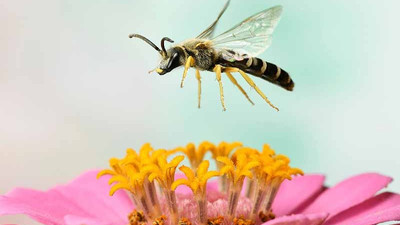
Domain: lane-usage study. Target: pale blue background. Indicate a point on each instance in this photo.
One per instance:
(74, 89)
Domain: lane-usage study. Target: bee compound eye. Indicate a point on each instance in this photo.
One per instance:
(173, 62)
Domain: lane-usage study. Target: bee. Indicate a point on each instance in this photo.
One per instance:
(235, 50)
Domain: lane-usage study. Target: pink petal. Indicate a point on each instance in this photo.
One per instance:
(84, 197)
(213, 185)
(74, 220)
(348, 193)
(92, 195)
(299, 219)
(45, 207)
(293, 194)
(213, 195)
(382, 208)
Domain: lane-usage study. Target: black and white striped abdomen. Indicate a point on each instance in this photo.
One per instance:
(265, 70)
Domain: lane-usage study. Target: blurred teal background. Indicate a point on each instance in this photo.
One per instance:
(74, 89)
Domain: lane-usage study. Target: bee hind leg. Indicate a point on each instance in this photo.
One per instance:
(199, 86)
(234, 81)
(188, 64)
(252, 84)
(217, 69)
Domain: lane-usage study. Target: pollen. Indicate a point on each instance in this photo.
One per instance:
(243, 221)
(137, 218)
(148, 175)
(184, 221)
(216, 221)
(267, 216)
(160, 220)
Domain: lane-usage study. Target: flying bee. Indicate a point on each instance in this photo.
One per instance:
(235, 50)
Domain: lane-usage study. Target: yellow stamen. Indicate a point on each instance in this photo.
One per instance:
(273, 171)
(128, 174)
(164, 173)
(197, 183)
(236, 174)
(105, 172)
(195, 155)
(138, 173)
(224, 149)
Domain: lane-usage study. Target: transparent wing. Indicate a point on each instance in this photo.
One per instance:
(210, 30)
(252, 36)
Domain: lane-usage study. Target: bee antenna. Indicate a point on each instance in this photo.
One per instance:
(162, 43)
(146, 40)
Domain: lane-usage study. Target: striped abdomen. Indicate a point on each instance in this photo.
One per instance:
(260, 68)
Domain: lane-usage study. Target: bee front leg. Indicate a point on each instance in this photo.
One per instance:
(199, 86)
(217, 69)
(251, 83)
(188, 64)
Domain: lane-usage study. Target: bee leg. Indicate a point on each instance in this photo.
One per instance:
(189, 63)
(251, 83)
(199, 85)
(234, 81)
(217, 70)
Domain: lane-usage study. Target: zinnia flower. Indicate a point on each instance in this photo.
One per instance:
(248, 187)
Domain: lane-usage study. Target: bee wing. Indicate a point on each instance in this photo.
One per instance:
(252, 36)
(210, 30)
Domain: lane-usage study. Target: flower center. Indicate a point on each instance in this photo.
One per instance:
(149, 177)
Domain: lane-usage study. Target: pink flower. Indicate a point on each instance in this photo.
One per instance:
(251, 188)
(304, 200)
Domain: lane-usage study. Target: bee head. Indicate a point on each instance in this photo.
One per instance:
(170, 59)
